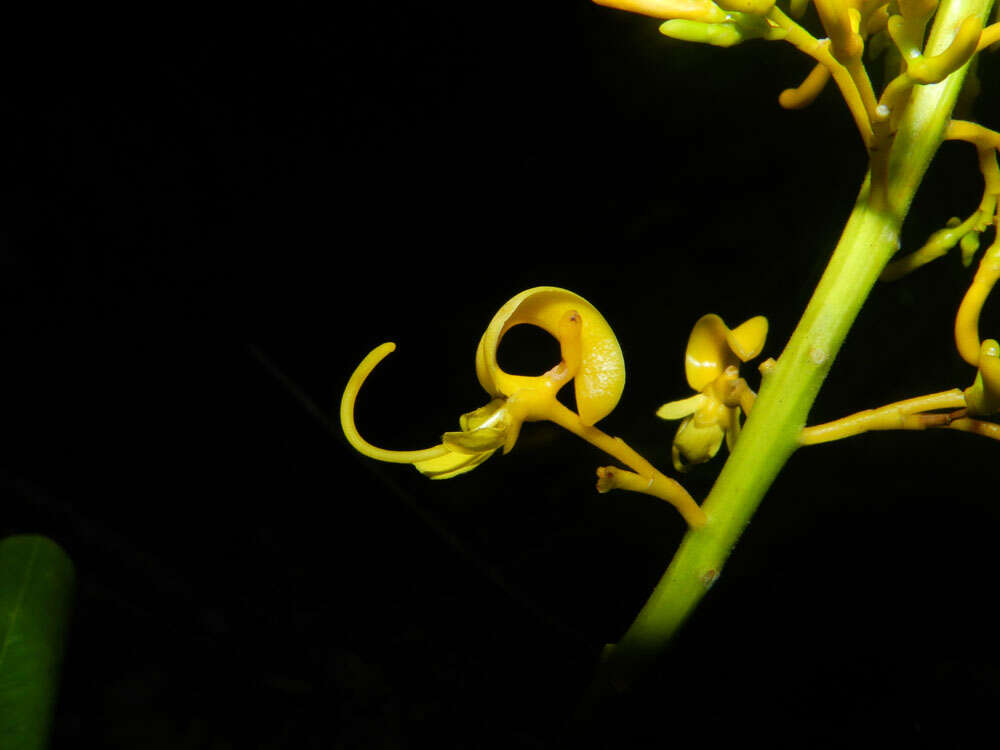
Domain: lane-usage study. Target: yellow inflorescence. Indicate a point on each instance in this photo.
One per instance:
(590, 355)
(848, 27)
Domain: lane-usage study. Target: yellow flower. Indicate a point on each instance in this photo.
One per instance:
(591, 357)
(714, 353)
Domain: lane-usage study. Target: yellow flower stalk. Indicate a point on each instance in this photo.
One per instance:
(591, 358)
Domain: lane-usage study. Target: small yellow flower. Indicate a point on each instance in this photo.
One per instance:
(591, 358)
(714, 353)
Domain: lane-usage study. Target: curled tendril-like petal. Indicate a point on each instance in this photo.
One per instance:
(483, 431)
(600, 375)
(347, 402)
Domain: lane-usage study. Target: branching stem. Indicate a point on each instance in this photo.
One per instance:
(771, 433)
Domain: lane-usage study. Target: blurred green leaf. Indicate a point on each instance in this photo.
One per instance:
(36, 588)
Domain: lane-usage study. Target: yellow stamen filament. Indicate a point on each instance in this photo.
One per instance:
(901, 415)
(347, 416)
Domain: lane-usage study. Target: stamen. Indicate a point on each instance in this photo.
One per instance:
(570, 347)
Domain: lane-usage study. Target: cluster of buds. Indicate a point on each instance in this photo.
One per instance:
(896, 28)
(849, 26)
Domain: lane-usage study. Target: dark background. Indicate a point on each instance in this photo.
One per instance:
(211, 220)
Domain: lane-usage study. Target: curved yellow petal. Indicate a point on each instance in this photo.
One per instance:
(682, 408)
(451, 464)
(747, 339)
(600, 380)
(708, 353)
(491, 415)
(347, 424)
(712, 347)
(475, 441)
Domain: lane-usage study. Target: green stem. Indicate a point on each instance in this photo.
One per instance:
(771, 434)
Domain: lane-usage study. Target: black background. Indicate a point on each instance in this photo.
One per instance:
(210, 220)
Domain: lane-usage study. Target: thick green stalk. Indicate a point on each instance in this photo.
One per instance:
(772, 431)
